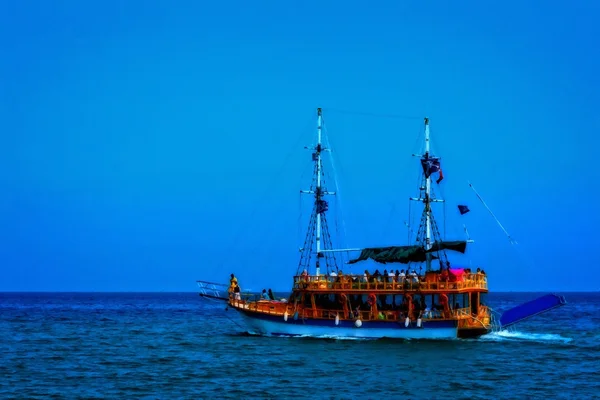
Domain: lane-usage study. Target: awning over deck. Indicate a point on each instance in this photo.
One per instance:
(407, 254)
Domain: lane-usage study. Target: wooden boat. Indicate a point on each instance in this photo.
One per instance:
(434, 302)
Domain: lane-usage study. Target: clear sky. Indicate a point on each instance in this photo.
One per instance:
(147, 144)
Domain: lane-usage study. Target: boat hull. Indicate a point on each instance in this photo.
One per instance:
(277, 326)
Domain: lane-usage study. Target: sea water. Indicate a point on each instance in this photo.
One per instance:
(178, 345)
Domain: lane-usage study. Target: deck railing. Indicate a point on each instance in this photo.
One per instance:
(358, 283)
(273, 307)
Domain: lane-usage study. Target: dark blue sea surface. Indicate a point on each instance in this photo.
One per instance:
(178, 345)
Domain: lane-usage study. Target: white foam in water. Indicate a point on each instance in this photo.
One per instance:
(524, 336)
(494, 336)
(335, 337)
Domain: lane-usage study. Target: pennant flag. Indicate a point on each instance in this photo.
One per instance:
(440, 178)
(463, 210)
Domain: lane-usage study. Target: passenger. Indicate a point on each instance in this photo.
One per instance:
(414, 276)
(377, 275)
(265, 295)
(391, 276)
(271, 296)
(232, 283)
(402, 275)
(237, 291)
(305, 275)
(427, 312)
(444, 275)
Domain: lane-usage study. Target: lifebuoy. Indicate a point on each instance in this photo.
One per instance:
(371, 299)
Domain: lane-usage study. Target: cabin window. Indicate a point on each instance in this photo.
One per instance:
(474, 302)
(306, 301)
(483, 299)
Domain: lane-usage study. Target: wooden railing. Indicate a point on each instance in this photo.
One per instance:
(279, 308)
(348, 283)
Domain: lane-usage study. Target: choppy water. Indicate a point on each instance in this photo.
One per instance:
(177, 345)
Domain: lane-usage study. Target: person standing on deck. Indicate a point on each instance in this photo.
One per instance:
(232, 284)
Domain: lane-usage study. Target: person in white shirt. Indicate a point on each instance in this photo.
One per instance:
(414, 276)
(391, 275)
(401, 276)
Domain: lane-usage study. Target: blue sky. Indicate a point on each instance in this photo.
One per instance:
(147, 145)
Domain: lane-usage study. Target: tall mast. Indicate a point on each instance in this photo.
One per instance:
(318, 193)
(428, 232)
(318, 232)
(427, 200)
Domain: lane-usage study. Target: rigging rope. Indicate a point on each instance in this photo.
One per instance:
(268, 191)
(511, 240)
(358, 215)
(525, 257)
(341, 238)
(368, 114)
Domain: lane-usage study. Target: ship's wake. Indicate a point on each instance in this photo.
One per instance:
(504, 335)
(325, 337)
(507, 335)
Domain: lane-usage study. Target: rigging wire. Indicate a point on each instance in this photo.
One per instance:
(368, 114)
(510, 239)
(409, 230)
(393, 209)
(524, 256)
(338, 199)
(419, 178)
(300, 225)
(359, 215)
(266, 193)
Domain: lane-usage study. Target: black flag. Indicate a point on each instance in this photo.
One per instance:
(463, 209)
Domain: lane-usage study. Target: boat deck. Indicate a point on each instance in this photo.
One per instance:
(357, 283)
(278, 308)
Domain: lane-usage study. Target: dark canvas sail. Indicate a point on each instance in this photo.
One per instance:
(406, 254)
(456, 245)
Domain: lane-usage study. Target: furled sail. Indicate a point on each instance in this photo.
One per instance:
(407, 254)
